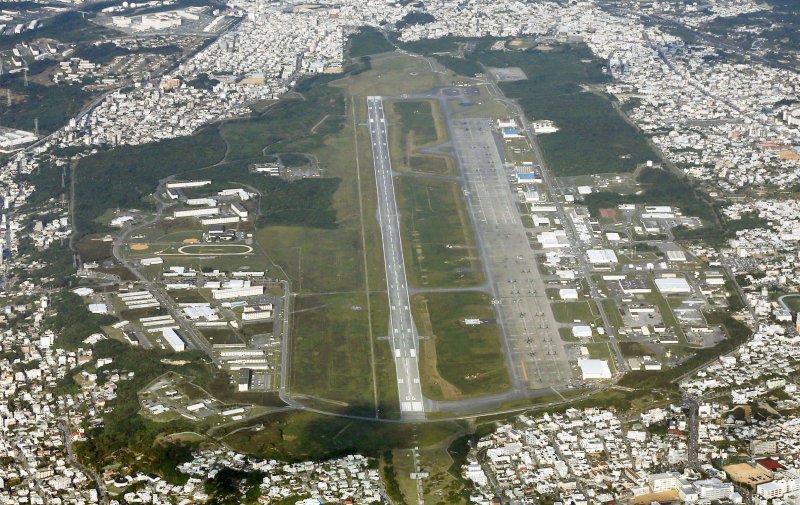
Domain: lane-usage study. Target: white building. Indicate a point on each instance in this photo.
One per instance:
(601, 257)
(205, 211)
(594, 369)
(174, 340)
(673, 285)
(226, 294)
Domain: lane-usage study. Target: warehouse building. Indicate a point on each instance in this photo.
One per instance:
(243, 292)
(594, 369)
(188, 184)
(174, 340)
(257, 312)
(602, 258)
(204, 211)
(673, 286)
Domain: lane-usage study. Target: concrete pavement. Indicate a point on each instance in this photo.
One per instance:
(402, 331)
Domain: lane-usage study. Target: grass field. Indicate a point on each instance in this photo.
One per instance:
(413, 126)
(612, 311)
(416, 121)
(464, 360)
(432, 165)
(438, 243)
(568, 312)
(635, 349)
(793, 302)
(331, 352)
(221, 336)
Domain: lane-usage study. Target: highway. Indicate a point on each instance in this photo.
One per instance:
(402, 332)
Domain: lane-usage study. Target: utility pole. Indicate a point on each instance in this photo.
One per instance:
(25, 73)
(36, 126)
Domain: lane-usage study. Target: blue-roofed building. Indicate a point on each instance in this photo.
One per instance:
(510, 133)
(528, 178)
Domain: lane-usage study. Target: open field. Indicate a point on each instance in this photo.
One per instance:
(332, 355)
(416, 121)
(221, 336)
(304, 435)
(438, 243)
(793, 302)
(635, 349)
(331, 352)
(464, 360)
(661, 497)
(414, 126)
(568, 312)
(743, 473)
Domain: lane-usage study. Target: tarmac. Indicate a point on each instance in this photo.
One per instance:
(536, 357)
(403, 334)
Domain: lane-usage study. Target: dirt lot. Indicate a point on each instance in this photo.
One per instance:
(742, 473)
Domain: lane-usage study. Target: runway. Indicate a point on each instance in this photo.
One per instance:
(402, 332)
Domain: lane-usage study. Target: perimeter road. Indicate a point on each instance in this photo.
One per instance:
(402, 332)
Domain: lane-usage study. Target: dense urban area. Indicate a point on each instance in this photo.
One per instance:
(412, 252)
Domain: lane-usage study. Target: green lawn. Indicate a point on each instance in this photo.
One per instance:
(634, 349)
(433, 165)
(567, 312)
(614, 317)
(793, 302)
(416, 118)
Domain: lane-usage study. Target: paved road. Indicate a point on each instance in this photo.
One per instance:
(402, 332)
(67, 436)
(195, 340)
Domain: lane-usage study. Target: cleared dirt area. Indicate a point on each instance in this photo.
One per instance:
(609, 214)
(743, 473)
(662, 497)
